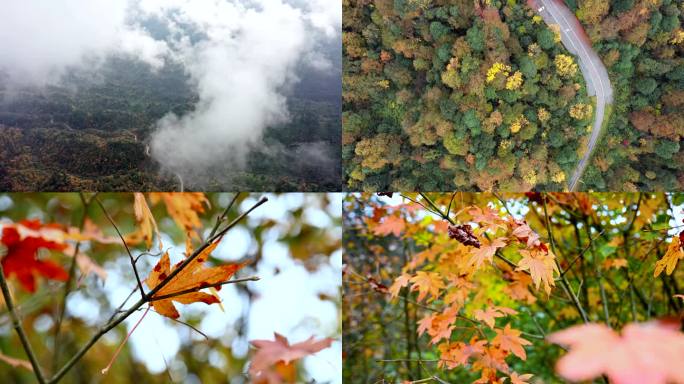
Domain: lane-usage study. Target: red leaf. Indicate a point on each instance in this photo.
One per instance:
(22, 258)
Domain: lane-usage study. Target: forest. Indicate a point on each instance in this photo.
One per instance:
(475, 96)
(513, 288)
(91, 132)
(642, 45)
(170, 288)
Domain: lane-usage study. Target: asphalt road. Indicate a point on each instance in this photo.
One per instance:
(595, 74)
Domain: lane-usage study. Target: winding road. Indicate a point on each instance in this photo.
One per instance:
(595, 74)
(147, 153)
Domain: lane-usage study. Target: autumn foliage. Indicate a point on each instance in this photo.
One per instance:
(483, 287)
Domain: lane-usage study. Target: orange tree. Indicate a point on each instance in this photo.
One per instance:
(480, 287)
(68, 261)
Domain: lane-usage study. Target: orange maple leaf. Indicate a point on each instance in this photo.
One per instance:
(487, 218)
(183, 208)
(193, 276)
(520, 379)
(392, 224)
(486, 251)
(508, 339)
(399, 283)
(427, 283)
(147, 225)
(269, 353)
(541, 265)
(489, 315)
(670, 259)
(644, 353)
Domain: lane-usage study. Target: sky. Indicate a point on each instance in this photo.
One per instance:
(287, 302)
(242, 58)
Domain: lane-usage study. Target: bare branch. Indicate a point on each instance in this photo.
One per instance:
(130, 255)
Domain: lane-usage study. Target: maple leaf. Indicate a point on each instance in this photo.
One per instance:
(454, 354)
(644, 353)
(518, 288)
(487, 218)
(525, 234)
(520, 379)
(183, 208)
(541, 266)
(398, 284)
(271, 352)
(392, 224)
(463, 234)
(508, 339)
(670, 259)
(490, 313)
(486, 251)
(21, 259)
(427, 283)
(193, 276)
(439, 325)
(147, 225)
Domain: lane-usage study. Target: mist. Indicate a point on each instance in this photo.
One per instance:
(243, 58)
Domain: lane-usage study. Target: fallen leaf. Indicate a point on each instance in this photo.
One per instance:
(643, 353)
(194, 276)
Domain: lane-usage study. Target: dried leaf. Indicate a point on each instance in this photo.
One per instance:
(194, 276)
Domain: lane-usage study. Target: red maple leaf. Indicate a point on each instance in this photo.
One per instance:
(22, 259)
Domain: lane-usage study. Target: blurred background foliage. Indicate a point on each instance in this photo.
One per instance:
(293, 242)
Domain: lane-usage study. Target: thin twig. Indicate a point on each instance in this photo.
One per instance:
(195, 289)
(117, 320)
(130, 255)
(69, 285)
(564, 281)
(223, 215)
(16, 322)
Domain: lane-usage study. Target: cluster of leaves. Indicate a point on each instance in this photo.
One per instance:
(641, 42)
(478, 287)
(62, 253)
(472, 95)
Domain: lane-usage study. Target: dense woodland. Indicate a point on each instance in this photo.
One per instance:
(89, 131)
(642, 45)
(458, 94)
(513, 288)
